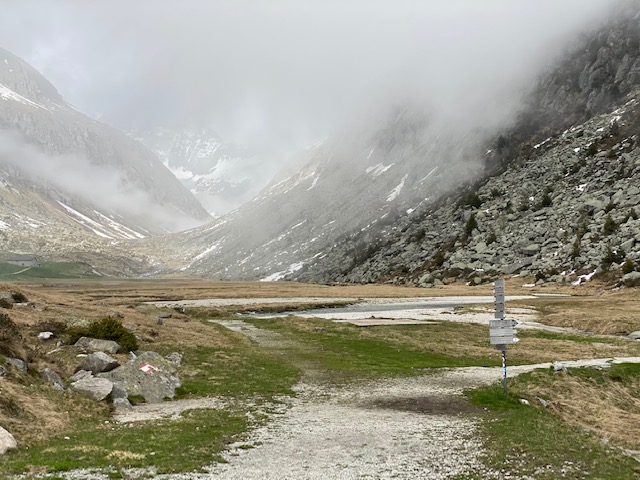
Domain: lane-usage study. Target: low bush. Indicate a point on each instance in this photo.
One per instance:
(107, 328)
(5, 303)
(53, 326)
(8, 329)
(19, 297)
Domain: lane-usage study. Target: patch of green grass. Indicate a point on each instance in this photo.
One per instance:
(187, 444)
(236, 371)
(48, 270)
(343, 352)
(530, 441)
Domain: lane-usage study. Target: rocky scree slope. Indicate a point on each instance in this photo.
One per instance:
(572, 208)
(483, 229)
(69, 183)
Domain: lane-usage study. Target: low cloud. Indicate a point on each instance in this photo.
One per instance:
(282, 74)
(102, 187)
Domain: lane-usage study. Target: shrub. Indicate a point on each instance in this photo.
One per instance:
(53, 326)
(472, 200)
(575, 249)
(8, 329)
(19, 297)
(612, 256)
(628, 266)
(5, 303)
(609, 226)
(610, 206)
(107, 328)
(470, 226)
(491, 238)
(593, 149)
(546, 201)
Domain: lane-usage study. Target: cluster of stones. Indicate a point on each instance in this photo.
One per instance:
(100, 376)
(567, 211)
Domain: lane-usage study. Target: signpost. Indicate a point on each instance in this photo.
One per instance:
(501, 330)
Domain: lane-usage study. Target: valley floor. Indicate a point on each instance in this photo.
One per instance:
(321, 399)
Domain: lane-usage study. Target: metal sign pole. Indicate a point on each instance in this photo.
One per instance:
(504, 372)
(501, 330)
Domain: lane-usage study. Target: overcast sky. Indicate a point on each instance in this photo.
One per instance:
(282, 74)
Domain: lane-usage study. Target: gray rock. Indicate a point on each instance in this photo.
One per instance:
(88, 343)
(634, 335)
(94, 387)
(175, 358)
(79, 375)
(531, 249)
(53, 378)
(149, 375)
(118, 392)
(122, 404)
(559, 367)
(18, 363)
(7, 442)
(544, 403)
(3, 371)
(98, 362)
(631, 279)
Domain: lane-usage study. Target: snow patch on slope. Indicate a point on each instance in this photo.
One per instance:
(396, 191)
(379, 169)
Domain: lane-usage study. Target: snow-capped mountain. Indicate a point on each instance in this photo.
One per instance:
(68, 182)
(221, 176)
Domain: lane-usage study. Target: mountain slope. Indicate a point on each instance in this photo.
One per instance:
(220, 176)
(75, 181)
(559, 174)
(352, 211)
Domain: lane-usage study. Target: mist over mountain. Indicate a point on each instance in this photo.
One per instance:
(378, 120)
(68, 180)
(221, 176)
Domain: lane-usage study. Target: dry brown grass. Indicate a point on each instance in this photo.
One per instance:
(33, 413)
(605, 312)
(612, 412)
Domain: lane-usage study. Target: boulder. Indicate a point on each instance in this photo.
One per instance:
(631, 279)
(97, 362)
(53, 378)
(118, 392)
(88, 343)
(94, 387)
(122, 404)
(175, 358)
(3, 371)
(18, 363)
(79, 375)
(149, 375)
(634, 335)
(7, 442)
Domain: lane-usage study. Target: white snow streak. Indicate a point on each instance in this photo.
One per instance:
(396, 191)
